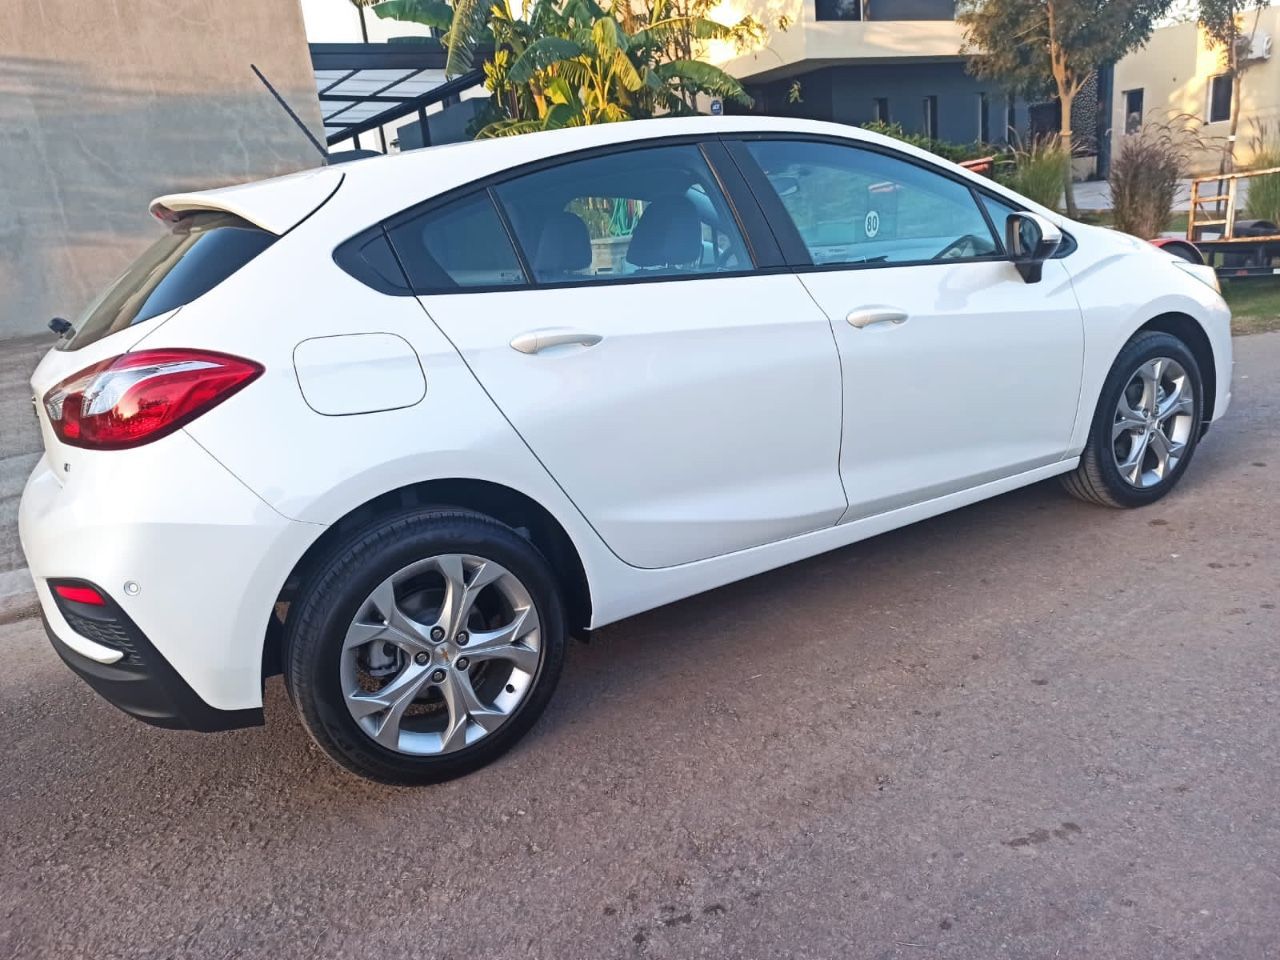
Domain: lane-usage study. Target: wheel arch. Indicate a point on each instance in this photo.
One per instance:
(1187, 329)
(515, 509)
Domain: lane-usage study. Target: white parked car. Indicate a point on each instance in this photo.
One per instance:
(398, 428)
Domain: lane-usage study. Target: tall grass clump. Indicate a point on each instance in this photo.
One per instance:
(1264, 191)
(1144, 176)
(1037, 170)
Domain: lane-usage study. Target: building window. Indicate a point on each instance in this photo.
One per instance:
(1219, 98)
(1132, 111)
(881, 109)
(931, 117)
(838, 9)
(1010, 116)
(984, 123)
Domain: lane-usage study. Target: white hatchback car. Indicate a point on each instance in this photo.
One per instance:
(398, 428)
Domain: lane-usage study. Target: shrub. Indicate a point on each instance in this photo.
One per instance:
(1037, 170)
(1145, 174)
(1264, 191)
(955, 152)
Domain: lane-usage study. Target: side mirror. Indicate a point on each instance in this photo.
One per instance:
(1030, 240)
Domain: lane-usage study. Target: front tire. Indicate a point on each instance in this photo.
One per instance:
(425, 645)
(1146, 426)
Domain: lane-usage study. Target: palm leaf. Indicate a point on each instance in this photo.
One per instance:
(574, 72)
(470, 19)
(608, 38)
(562, 115)
(508, 127)
(430, 13)
(625, 71)
(540, 55)
(583, 11)
(701, 77)
(663, 31)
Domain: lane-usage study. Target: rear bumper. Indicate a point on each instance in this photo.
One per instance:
(139, 680)
(203, 559)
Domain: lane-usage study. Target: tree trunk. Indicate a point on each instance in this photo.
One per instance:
(1228, 164)
(1065, 77)
(1066, 98)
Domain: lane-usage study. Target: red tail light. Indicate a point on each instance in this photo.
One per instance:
(139, 397)
(78, 594)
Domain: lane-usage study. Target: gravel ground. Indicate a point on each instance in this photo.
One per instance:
(1030, 728)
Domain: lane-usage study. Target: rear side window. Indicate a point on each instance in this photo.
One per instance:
(461, 244)
(650, 212)
(198, 253)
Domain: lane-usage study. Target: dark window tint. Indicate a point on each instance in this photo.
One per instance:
(838, 9)
(199, 252)
(999, 212)
(646, 212)
(857, 206)
(881, 106)
(1220, 98)
(461, 244)
(984, 121)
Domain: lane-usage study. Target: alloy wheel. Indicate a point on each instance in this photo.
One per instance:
(1153, 421)
(441, 654)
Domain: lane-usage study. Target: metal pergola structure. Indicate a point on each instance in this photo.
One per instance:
(364, 86)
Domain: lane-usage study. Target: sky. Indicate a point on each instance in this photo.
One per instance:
(337, 21)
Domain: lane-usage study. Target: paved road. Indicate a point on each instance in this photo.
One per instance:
(1029, 729)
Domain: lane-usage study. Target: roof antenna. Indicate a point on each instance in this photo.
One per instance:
(292, 116)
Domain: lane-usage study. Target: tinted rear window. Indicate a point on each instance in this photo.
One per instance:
(198, 253)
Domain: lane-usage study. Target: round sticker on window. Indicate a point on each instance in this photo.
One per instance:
(871, 225)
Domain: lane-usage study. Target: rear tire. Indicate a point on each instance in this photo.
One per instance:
(424, 645)
(1146, 426)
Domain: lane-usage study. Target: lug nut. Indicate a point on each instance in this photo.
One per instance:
(421, 659)
(437, 634)
(463, 663)
(437, 676)
(462, 638)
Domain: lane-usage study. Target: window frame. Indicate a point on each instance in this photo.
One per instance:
(818, 18)
(1209, 91)
(762, 248)
(784, 228)
(1125, 96)
(931, 119)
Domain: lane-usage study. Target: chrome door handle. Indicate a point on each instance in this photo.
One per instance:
(535, 341)
(866, 316)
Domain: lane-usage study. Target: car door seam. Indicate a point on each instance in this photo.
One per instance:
(502, 413)
(835, 343)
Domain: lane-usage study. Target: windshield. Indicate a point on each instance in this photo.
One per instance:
(199, 252)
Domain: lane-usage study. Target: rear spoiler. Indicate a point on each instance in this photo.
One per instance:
(276, 205)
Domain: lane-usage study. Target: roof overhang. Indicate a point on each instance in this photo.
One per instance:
(810, 45)
(364, 86)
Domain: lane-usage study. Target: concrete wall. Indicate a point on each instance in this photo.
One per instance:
(1173, 72)
(906, 85)
(105, 105)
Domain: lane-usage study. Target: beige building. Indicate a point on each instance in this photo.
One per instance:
(104, 106)
(859, 61)
(1178, 73)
